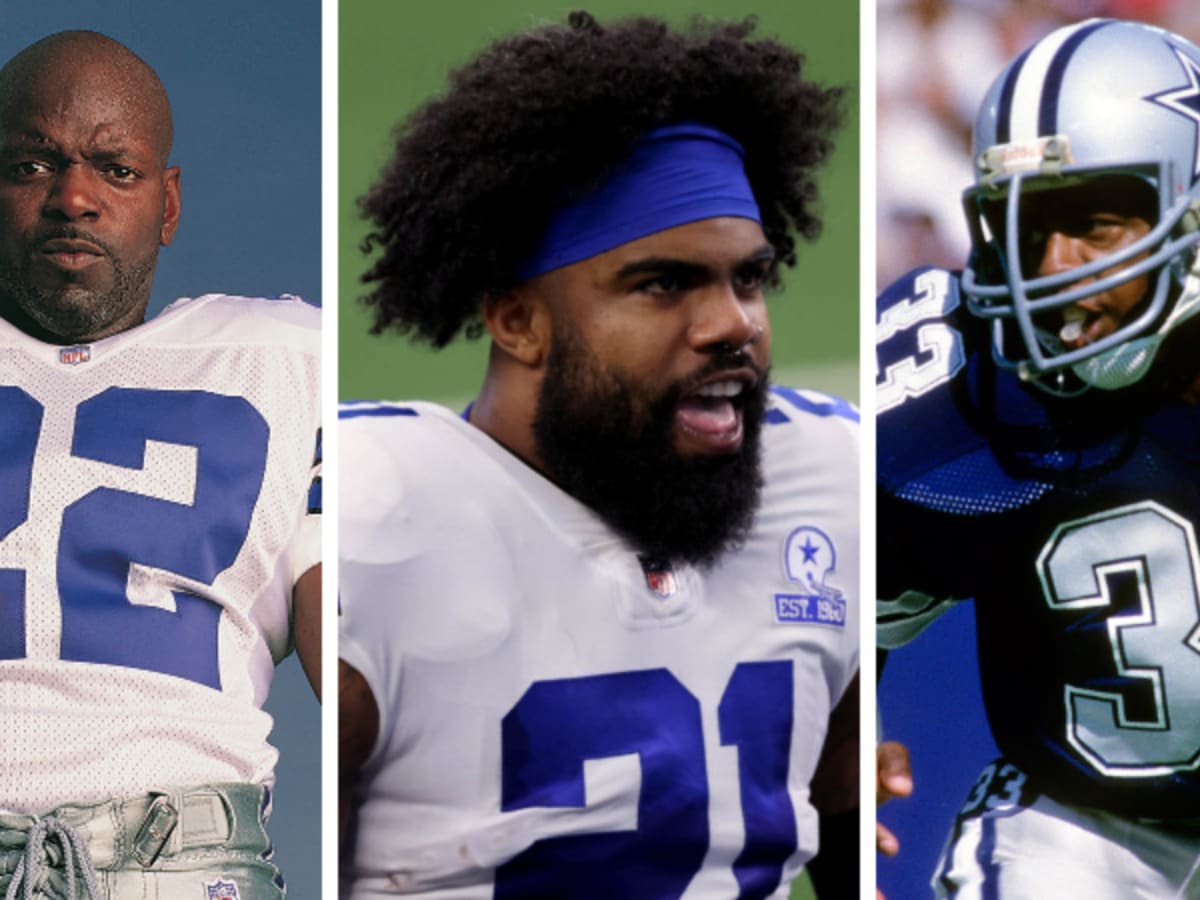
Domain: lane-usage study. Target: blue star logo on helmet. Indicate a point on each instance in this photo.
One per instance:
(1185, 100)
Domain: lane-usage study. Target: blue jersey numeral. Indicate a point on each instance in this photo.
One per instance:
(106, 531)
(22, 418)
(756, 716)
(557, 725)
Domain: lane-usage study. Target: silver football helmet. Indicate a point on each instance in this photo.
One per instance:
(1102, 99)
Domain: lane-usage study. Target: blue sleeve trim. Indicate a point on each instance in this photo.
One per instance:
(314, 490)
(827, 406)
(355, 412)
(776, 417)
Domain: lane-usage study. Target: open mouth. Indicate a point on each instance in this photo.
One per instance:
(1080, 327)
(709, 418)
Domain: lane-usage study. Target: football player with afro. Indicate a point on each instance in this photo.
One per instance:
(617, 597)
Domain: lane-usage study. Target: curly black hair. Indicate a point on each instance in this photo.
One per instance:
(540, 118)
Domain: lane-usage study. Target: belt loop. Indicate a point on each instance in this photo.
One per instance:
(208, 818)
(156, 829)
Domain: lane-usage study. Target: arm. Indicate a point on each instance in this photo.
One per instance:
(358, 729)
(834, 870)
(306, 625)
(893, 779)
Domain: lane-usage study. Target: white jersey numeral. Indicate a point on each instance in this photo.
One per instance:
(1144, 557)
(910, 377)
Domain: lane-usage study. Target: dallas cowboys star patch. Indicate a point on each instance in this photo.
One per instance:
(809, 560)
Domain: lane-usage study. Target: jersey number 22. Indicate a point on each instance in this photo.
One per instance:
(106, 531)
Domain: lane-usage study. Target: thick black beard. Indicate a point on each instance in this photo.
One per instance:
(608, 443)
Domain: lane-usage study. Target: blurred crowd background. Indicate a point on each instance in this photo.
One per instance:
(935, 60)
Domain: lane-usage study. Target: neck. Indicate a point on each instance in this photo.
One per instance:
(506, 404)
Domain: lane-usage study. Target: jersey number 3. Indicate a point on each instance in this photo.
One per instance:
(557, 725)
(1141, 558)
(106, 532)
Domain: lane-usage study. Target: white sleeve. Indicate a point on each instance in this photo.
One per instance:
(370, 565)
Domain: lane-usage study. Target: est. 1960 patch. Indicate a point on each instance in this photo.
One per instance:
(810, 559)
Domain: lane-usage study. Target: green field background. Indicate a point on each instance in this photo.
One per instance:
(393, 55)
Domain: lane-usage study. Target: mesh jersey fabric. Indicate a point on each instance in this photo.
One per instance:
(1071, 524)
(155, 513)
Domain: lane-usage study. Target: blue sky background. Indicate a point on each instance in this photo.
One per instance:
(245, 83)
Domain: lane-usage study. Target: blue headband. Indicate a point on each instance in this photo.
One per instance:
(675, 175)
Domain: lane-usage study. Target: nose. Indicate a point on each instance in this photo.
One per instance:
(1060, 254)
(723, 320)
(73, 195)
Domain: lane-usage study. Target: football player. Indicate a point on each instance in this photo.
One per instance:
(1039, 452)
(158, 508)
(598, 631)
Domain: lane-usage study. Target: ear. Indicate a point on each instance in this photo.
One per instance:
(519, 323)
(171, 185)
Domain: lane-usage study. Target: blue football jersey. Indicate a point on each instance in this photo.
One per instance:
(1071, 523)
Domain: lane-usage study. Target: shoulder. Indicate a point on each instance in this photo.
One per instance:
(811, 422)
(919, 342)
(422, 537)
(379, 435)
(284, 321)
(396, 432)
(396, 460)
(921, 358)
(802, 405)
(810, 446)
(921, 294)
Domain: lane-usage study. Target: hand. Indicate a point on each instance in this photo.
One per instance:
(893, 778)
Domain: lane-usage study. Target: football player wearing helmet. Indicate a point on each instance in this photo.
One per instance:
(598, 632)
(1059, 374)
(159, 549)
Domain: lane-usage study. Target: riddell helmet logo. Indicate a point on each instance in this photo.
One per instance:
(73, 356)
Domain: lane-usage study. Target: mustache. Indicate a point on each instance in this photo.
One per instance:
(722, 361)
(73, 233)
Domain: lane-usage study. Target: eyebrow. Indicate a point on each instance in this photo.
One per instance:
(27, 141)
(764, 254)
(31, 142)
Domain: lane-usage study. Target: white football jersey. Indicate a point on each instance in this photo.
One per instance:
(554, 719)
(154, 514)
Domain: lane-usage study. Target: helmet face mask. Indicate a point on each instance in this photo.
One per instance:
(1072, 147)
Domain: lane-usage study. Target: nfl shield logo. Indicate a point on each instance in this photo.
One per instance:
(73, 356)
(221, 890)
(659, 577)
